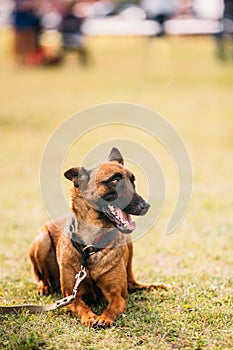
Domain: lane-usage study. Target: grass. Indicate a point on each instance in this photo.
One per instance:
(182, 80)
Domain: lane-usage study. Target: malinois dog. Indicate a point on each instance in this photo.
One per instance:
(95, 237)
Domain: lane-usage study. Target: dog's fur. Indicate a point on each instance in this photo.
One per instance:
(109, 271)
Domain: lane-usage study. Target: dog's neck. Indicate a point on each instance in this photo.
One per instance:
(88, 220)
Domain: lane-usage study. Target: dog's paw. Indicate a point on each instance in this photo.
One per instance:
(89, 320)
(103, 322)
(44, 290)
(158, 286)
(144, 286)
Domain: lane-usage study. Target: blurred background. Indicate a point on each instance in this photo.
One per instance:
(45, 30)
(58, 57)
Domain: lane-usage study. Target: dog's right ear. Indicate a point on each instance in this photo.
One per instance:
(115, 155)
(79, 176)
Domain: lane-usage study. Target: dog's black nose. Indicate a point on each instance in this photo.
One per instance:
(144, 207)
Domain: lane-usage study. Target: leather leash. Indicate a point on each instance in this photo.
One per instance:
(33, 309)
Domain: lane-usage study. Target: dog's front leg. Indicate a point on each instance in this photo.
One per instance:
(78, 307)
(114, 288)
(117, 305)
(87, 317)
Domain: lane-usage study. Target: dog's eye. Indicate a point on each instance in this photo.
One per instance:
(115, 181)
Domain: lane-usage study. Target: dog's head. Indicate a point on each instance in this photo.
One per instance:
(110, 190)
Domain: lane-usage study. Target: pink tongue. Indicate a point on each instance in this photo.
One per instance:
(126, 218)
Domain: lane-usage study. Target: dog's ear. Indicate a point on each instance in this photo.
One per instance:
(79, 176)
(116, 156)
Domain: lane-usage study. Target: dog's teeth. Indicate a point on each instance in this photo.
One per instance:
(111, 207)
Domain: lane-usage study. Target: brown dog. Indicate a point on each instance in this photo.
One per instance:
(95, 237)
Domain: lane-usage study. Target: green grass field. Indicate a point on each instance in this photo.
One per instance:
(182, 80)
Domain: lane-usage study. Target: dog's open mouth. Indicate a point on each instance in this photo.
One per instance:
(120, 219)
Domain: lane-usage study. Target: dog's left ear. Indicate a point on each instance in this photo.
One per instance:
(79, 176)
(115, 155)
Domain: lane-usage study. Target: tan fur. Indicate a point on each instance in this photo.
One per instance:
(56, 262)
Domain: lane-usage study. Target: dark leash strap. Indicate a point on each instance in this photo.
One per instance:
(104, 241)
(100, 243)
(33, 309)
(84, 251)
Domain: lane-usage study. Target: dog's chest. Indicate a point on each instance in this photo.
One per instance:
(105, 260)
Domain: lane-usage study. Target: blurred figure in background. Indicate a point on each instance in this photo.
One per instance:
(26, 28)
(228, 27)
(71, 29)
(159, 10)
(185, 9)
(225, 38)
(50, 39)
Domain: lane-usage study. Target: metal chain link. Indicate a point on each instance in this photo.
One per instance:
(68, 300)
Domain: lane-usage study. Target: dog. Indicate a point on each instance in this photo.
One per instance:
(95, 237)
